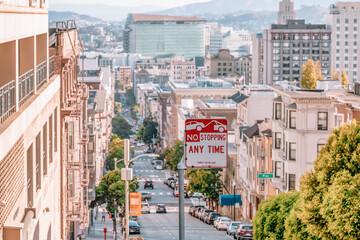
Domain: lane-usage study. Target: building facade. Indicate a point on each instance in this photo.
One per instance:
(30, 161)
(223, 64)
(165, 36)
(181, 70)
(286, 11)
(284, 48)
(344, 17)
(124, 75)
(244, 69)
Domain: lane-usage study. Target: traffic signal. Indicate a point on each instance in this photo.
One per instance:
(110, 215)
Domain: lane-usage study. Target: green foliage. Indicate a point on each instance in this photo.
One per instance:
(309, 75)
(130, 97)
(318, 72)
(116, 150)
(344, 79)
(173, 155)
(269, 220)
(121, 127)
(206, 182)
(117, 107)
(110, 189)
(148, 130)
(335, 74)
(330, 194)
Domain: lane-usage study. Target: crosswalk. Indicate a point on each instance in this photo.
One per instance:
(142, 171)
(154, 179)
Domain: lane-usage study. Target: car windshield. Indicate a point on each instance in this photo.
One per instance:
(247, 227)
(225, 220)
(234, 225)
(161, 205)
(133, 224)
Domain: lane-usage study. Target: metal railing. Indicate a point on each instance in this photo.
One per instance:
(51, 66)
(40, 74)
(26, 86)
(7, 100)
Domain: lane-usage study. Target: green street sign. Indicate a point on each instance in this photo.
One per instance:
(153, 139)
(266, 175)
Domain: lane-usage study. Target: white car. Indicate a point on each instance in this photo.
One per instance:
(194, 125)
(142, 144)
(138, 144)
(158, 167)
(223, 223)
(145, 208)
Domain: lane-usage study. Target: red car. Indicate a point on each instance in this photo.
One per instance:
(244, 231)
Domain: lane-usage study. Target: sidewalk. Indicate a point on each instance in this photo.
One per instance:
(96, 231)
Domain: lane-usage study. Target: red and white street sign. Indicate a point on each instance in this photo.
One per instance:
(206, 143)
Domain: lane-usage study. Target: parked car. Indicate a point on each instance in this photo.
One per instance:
(231, 228)
(168, 180)
(161, 208)
(134, 227)
(138, 144)
(195, 208)
(197, 211)
(211, 217)
(223, 223)
(173, 184)
(244, 231)
(148, 184)
(205, 213)
(148, 151)
(145, 196)
(191, 208)
(145, 208)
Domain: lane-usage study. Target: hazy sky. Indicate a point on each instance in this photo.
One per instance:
(127, 3)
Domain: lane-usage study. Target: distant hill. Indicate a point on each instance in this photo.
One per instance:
(64, 16)
(224, 7)
(102, 11)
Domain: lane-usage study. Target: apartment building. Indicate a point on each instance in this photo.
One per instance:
(244, 68)
(302, 122)
(173, 35)
(222, 64)
(287, 47)
(164, 94)
(254, 108)
(155, 76)
(30, 160)
(66, 47)
(257, 63)
(124, 75)
(344, 20)
(286, 11)
(182, 70)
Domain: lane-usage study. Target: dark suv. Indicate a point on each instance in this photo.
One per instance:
(148, 184)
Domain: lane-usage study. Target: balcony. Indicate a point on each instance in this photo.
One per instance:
(40, 74)
(7, 100)
(26, 86)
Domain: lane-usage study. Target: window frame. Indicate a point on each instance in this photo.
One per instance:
(321, 127)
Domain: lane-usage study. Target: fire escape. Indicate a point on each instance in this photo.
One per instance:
(74, 95)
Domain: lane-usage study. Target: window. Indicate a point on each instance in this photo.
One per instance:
(276, 51)
(71, 135)
(219, 69)
(277, 169)
(292, 182)
(277, 111)
(224, 69)
(224, 64)
(346, 20)
(276, 44)
(276, 64)
(276, 58)
(277, 140)
(38, 161)
(319, 147)
(292, 151)
(296, 65)
(44, 157)
(29, 175)
(322, 121)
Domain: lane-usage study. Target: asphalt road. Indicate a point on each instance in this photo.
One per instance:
(164, 226)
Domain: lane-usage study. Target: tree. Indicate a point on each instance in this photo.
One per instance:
(329, 202)
(148, 131)
(334, 74)
(117, 107)
(116, 150)
(318, 72)
(121, 127)
(206, 182)
(309, 75)
(174, 154)
(269, 220)
(110, 190)
(130, 97)
(344, 79)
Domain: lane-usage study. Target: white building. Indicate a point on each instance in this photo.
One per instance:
(181, 70)
(344, 17)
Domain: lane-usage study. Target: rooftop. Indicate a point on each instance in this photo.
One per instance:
(218, 103)
(345, 96)
(298, 24)
(140, 17)
(300, 93)
(202, 82)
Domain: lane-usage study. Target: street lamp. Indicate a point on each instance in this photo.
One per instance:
(117, 161)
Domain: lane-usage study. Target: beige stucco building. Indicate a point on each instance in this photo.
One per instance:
(30, 163)
(222, 64)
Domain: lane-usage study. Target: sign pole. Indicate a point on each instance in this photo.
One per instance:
(126, 161)
(181, 168)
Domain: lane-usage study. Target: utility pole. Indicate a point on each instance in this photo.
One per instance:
(234, 184)
(126, 162)
(181, 167)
